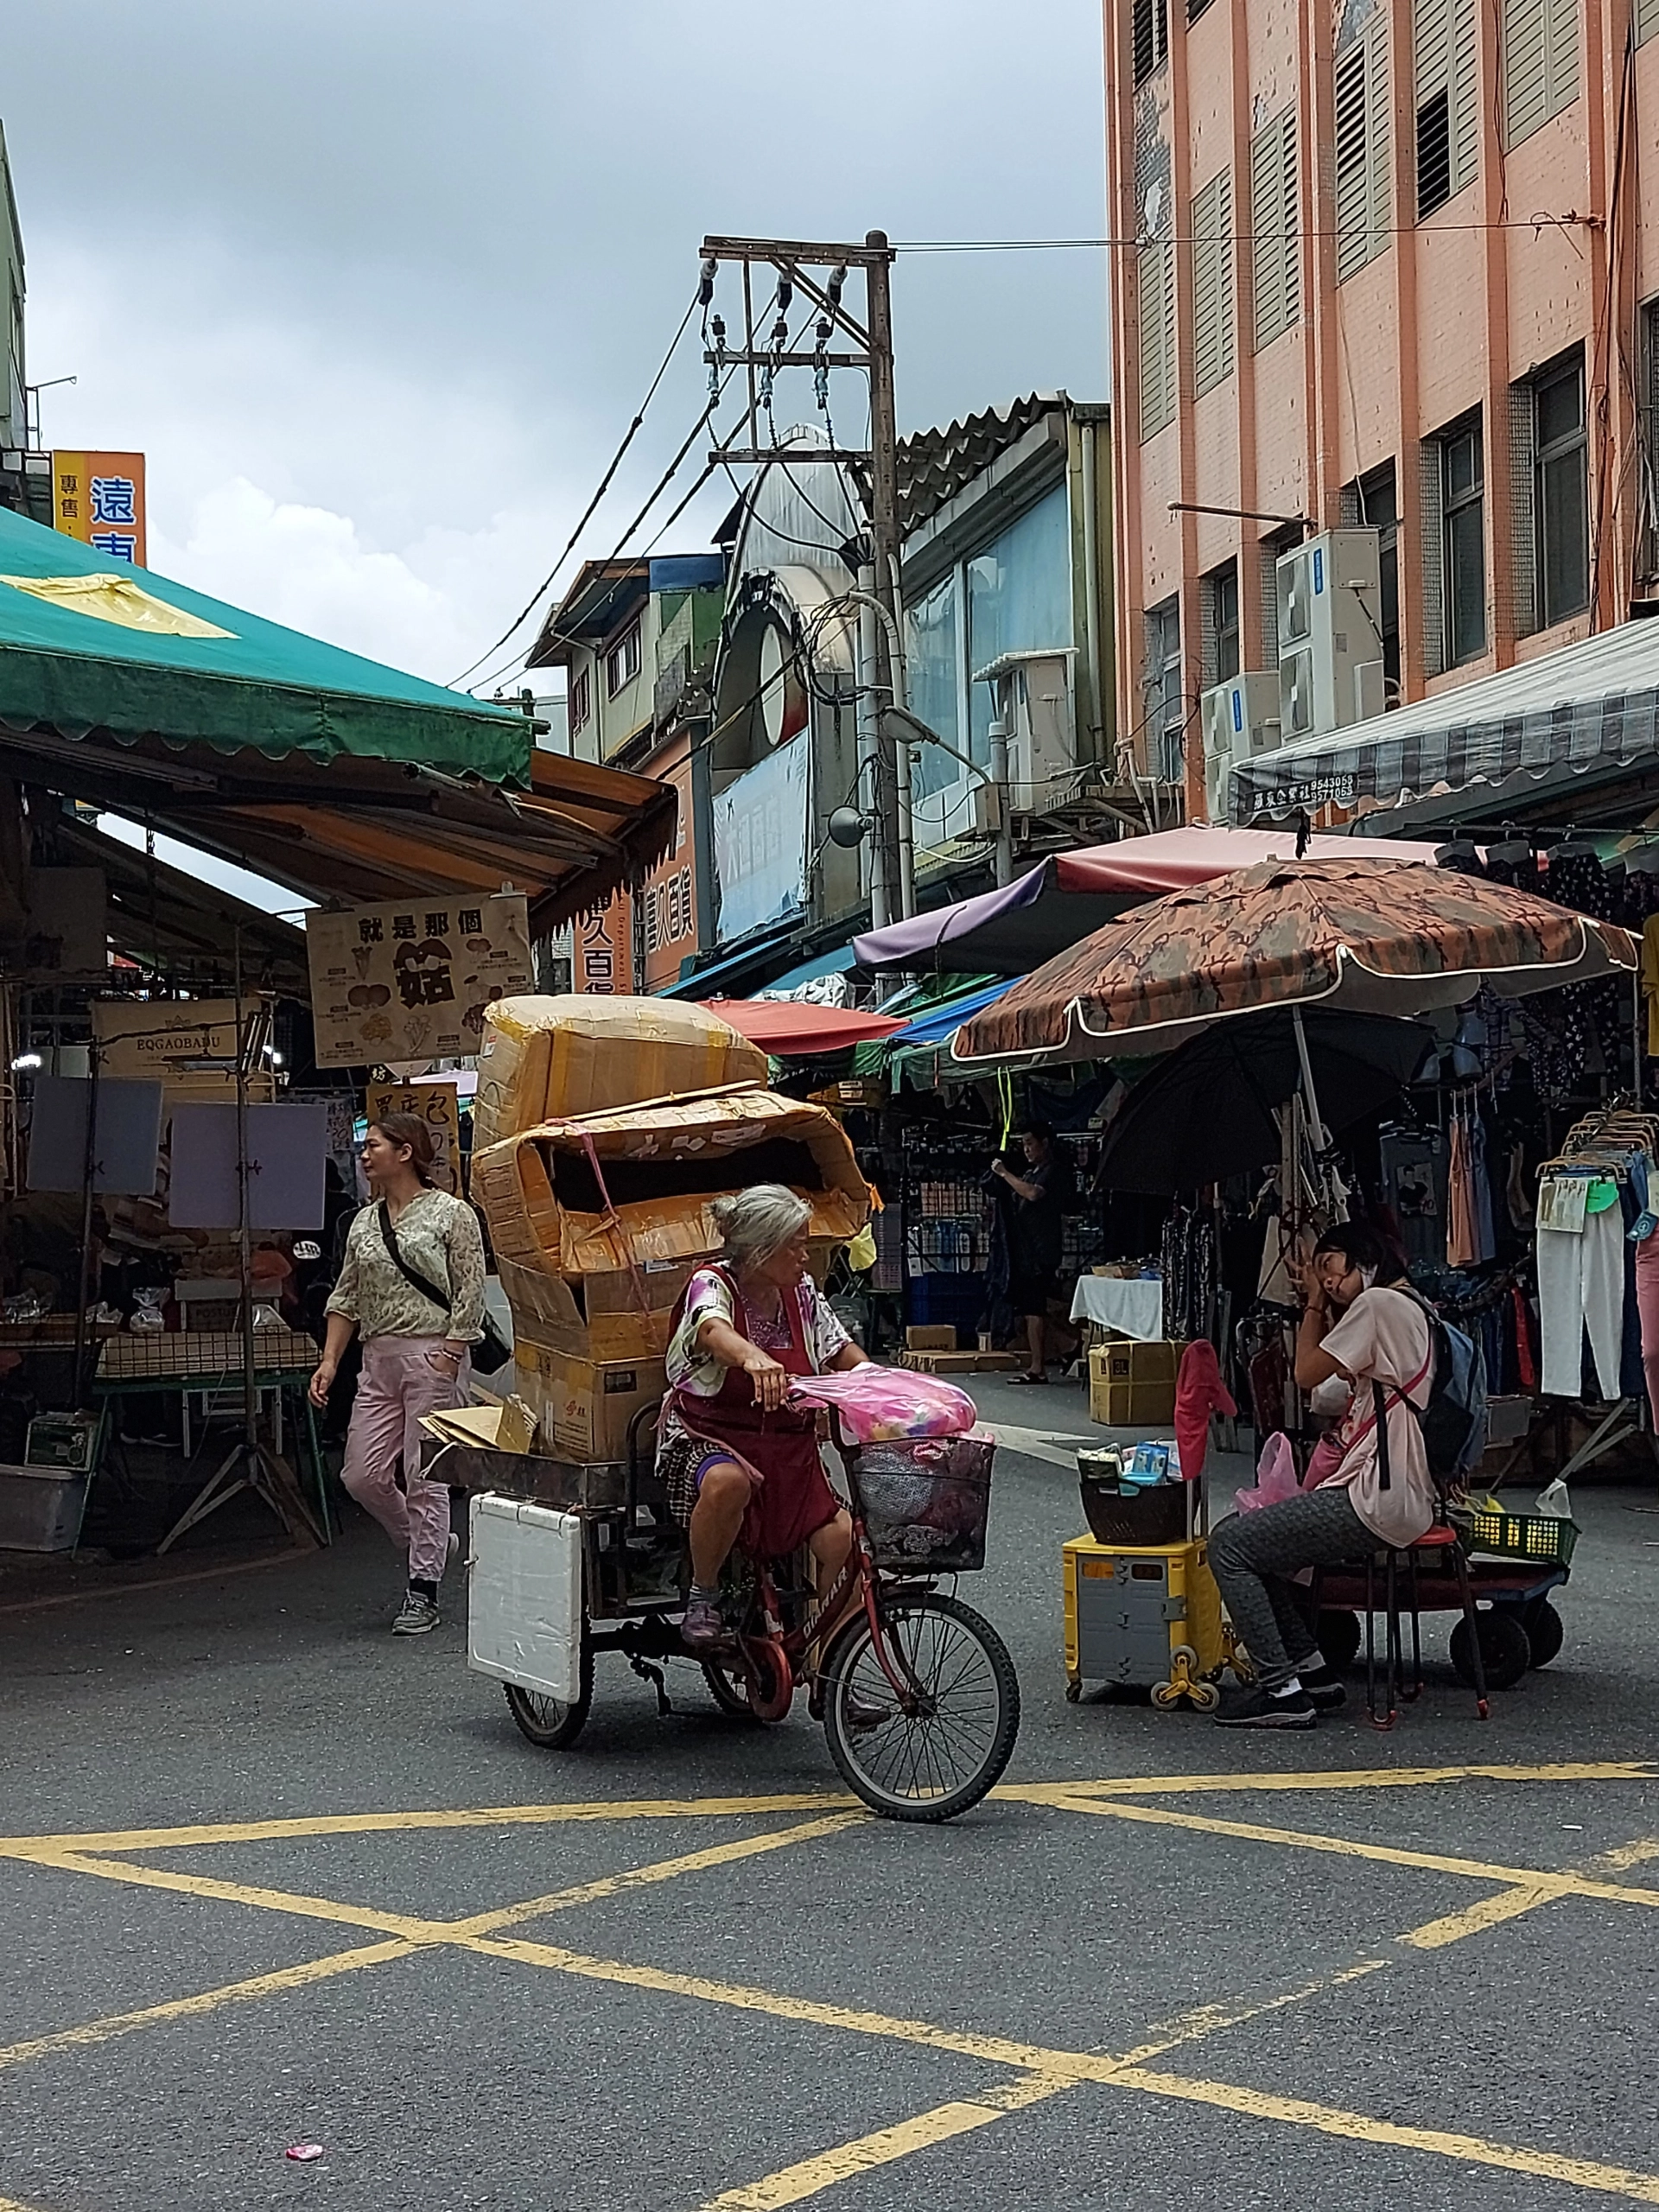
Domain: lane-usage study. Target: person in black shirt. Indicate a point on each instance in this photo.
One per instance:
(1036, 1239)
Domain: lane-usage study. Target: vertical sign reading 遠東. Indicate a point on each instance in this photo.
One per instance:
(99, 498)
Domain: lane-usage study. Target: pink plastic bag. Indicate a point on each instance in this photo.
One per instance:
(879, 1405)
(1275, 1476)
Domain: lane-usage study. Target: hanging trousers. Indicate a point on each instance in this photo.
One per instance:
(1581, 1287)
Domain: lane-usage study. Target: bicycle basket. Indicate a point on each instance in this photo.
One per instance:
(924, 1502)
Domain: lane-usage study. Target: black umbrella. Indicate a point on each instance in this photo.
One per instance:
(1205, 1110)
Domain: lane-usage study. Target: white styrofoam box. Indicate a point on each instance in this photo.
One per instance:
(523, 1608)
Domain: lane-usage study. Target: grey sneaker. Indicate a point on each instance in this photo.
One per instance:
(419, 1616)
(702, 1628)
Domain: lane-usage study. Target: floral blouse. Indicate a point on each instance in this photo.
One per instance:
(439, 1237)
(710, 1293)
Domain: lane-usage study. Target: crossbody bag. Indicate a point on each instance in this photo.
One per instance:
(491, 1350)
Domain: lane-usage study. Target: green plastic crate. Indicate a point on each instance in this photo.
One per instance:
(1534, 1537)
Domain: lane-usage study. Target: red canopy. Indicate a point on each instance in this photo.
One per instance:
(1176, 860)
(789, 1029)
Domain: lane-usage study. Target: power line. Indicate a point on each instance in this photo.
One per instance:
(588, 512)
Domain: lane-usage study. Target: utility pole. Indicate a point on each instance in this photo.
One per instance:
(818, 271)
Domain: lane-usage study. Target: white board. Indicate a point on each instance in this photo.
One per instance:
(126, 1140)
(287, 1147)
(524, 1608)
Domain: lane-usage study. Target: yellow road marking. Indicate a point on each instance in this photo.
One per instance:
(203, 1885)
(482, 1816)
(1505, 1905)
(1434, 1862)
(638, 1878)
(1037, 1793)
(1210, 2020)
(206, 2000)
(1359, 2127)
(791, 2183)
(1408, 1777)
(1627, 1855)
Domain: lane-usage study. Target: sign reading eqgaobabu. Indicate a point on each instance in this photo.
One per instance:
(411, 980)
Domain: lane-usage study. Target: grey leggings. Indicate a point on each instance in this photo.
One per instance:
(1253, 1556)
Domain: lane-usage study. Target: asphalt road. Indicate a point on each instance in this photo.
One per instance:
(263, 1864)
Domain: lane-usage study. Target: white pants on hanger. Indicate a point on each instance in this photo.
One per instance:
(1581, 1285)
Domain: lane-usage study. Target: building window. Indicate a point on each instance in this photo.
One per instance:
(1364, 212)
(1165, 718)
(933, 672)
(1372, 502)
(1445, 97)
(1539, 68)
(1648, 449)
(1560, 492)
(1463, 543)
(1275, 262)
(622, 662)
(1647, 20)
(1019, 600)
(582, 698)
(1221, 633)
(1212, 283)
(1151, 37)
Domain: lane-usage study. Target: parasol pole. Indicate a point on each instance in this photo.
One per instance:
(1315, 1127)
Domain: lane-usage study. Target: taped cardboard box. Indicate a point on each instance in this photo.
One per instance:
(664, 1166)
(543, 1058)
(583, 1406)
(595, 1317)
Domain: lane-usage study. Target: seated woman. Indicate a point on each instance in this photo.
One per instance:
(736, 1460)
(1357, 1325)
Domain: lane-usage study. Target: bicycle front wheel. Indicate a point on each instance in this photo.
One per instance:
(933, 1753)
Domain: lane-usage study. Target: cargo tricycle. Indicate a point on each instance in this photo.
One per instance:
(916, 1690)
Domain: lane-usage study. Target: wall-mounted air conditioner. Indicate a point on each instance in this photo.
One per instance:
(1031, 694)
(1240, 719)
(1329, 634)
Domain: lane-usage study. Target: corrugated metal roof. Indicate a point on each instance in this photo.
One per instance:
(935, 465)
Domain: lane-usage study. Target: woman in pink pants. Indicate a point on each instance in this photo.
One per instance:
(413, 1282)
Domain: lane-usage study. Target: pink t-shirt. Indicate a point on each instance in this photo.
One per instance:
(1385, 1337)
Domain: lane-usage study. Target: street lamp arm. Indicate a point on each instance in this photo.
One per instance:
(921, 735)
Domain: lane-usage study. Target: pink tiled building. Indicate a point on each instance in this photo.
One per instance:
(1386, 263)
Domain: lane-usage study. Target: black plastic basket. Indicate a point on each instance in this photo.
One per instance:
(924, 1503)
(1156, 1514)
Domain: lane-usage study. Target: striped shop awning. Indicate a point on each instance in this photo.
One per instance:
(1594, 705)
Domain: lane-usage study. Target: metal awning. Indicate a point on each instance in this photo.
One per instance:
(1563, 721)
(365, 830)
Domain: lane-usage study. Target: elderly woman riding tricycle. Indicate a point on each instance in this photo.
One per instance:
(789, 1586)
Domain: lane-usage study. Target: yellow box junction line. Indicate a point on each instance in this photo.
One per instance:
(1041, 2073)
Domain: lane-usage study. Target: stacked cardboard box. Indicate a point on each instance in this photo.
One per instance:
(598, 1216)
(1133, 1385)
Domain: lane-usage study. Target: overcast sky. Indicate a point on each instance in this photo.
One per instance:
(376, 284)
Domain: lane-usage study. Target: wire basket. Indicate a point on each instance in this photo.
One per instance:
(925, 1502)
(1535, 1536)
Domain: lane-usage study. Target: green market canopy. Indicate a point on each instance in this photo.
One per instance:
(310, 764)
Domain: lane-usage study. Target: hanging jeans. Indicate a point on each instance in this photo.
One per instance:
(1581, 1287)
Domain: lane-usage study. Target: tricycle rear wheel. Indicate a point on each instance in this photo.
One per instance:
(549, 1723)
(923, 1765)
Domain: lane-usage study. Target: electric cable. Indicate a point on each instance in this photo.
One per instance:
(588, 512)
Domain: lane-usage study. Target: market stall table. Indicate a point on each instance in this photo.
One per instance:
(202, 1360)
(1132, 1304)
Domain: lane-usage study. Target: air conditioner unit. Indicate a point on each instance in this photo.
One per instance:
(1031, 694)
(1330, 643)
(1240, 719)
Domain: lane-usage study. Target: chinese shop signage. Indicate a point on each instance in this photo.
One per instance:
(411, 980)
(99, 498)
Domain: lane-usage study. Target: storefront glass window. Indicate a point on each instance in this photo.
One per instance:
(933, 655)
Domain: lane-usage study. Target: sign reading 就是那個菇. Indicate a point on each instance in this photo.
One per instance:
(411, 980)
(99, 498)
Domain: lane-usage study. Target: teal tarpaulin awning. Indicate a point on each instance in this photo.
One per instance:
(238, 681)
(347, 780)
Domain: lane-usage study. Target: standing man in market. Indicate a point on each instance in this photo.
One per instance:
(1036, 1238)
